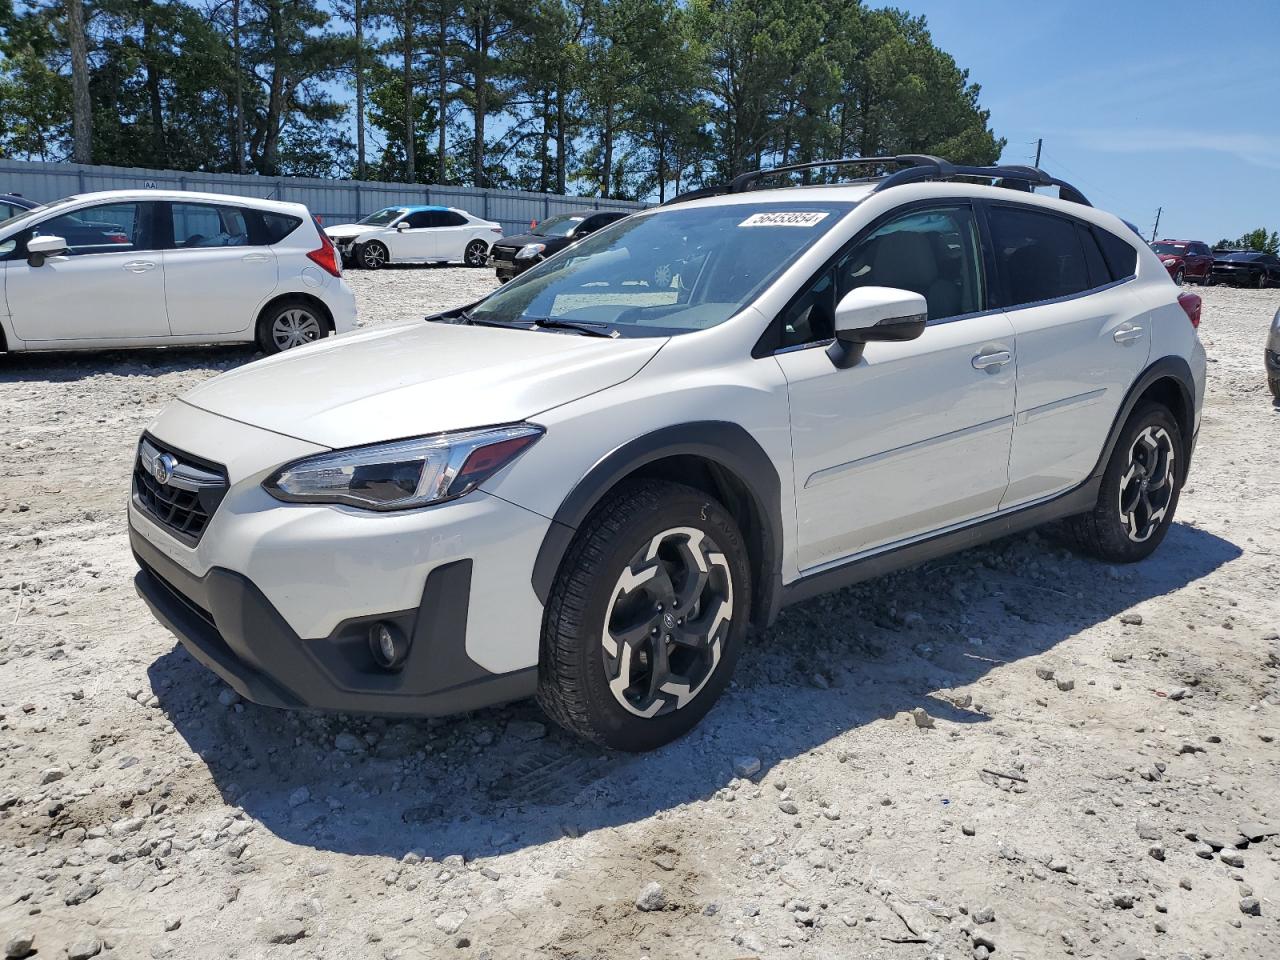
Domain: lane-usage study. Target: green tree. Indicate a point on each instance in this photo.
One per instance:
(1258, 240)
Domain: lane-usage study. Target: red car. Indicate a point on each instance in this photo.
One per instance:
(1186, 260)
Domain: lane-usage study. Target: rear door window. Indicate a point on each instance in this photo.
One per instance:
(1039, 256)
(208, 225)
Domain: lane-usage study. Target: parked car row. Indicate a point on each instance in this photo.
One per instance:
(1192, 261)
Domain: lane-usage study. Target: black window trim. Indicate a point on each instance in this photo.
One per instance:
(1000, 292)
(765, 346)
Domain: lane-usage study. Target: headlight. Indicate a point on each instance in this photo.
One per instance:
(530, 250)
(403, 473)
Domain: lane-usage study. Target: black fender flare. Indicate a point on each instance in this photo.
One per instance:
(1170, 367)
(727, 446)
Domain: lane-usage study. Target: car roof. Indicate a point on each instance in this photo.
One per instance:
(415, 208)
(181, 196)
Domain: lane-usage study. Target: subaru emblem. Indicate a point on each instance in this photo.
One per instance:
(162, 468)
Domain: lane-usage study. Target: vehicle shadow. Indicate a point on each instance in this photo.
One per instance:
(72, 365)
(493, 781)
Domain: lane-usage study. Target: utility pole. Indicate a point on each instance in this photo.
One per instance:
(1039, 144)
(1155, 230)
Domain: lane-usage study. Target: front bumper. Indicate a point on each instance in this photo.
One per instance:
(227, 624)
(507, 269)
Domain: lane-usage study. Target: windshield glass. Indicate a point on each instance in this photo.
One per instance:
(1238, 255)
(671, 271)
(1175, 249)
(384, 216)
(560, 226)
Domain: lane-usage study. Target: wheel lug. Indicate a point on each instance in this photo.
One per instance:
(667, 638)
(653, 632)
(659, 608)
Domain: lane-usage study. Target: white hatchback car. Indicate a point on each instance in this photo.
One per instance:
(416, 235)
(588, 484)
(145, 268)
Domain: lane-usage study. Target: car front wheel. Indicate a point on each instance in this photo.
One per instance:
(374, 255)
(646, 618)
(1139, 492)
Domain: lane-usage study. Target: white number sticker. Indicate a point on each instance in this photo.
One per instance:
(785, 218)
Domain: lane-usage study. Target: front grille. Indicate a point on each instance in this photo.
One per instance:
(176, 490)
(505, 254)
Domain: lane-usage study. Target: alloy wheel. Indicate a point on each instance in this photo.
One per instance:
(294, 327)
(1179, 277)
(374, 256)
(666, 622)
(1146, 489)
(474, 255)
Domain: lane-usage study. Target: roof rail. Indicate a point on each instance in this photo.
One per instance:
(916, 167)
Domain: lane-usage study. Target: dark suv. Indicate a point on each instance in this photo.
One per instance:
(1246, 268)
(1186, 260)
(513, 255)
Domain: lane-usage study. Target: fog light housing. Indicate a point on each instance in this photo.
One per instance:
(388, 645)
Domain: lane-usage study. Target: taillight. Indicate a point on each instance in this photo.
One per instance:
(1190, 304)
(327, 256)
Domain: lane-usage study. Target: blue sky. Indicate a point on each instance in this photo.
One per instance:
(1141, 104)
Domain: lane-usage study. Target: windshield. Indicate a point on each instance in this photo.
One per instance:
(384, 216)
(1238, 255)
(671, 271)
(560, 226)
(1170, 249)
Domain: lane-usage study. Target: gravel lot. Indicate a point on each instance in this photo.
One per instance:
(1126, 807)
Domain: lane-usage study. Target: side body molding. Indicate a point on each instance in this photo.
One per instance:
(734, 457)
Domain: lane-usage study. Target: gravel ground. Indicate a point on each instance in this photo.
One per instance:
(1014, 751)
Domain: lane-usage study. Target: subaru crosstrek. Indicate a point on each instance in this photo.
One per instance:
(586, 486)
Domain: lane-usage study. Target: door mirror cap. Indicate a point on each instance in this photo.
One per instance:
(875, 314)
(402, 225)
(41, 248)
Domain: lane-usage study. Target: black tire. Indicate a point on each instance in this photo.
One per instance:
(576, 668)
(476, 254)
(290, 323)
(1107, 531)
(1274, 384)
(1207, 280)
(373, 255)
(1262, 280)
(1180, 276)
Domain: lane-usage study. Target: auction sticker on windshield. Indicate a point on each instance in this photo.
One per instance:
(784, 218)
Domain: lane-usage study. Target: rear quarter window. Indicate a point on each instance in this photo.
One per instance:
(1122, 259)
(277, 226)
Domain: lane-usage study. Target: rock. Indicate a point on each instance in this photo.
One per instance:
(171, 924)
(746, 766)
(283, 931)
(1147, 830)
(52, 774)
(1232, 858)
(1250, 906)
(526, 731)
(1178, 693)
(122, 828)
(1156, 851)
(1185, 883)
(451, 922)
(348, 742)
(922, 718)
(1122, 900)
(84, 948)
(1058, 865)
(228, 697)
(80, 894)
(19, 945)
(968, 829)
(1044, 673)
(1065, 684)
(1204, 851)
(1132, 619)
(651, 898)
(788, 806)
(982, 914)
(1257, 832)
(299, 797)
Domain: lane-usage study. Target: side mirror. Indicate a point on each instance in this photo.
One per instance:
(871, 314)
(40, 249)
(402, 225)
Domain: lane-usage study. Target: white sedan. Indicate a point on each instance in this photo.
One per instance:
(144, 268)
(416, 235)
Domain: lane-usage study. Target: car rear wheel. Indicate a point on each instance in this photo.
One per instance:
(373, 255)
(1140, 488)
(1262, 280)
(1274, 384)
(1180, 276)
(290, 323)
(646, 618)
(476, 254)
(1207, 280)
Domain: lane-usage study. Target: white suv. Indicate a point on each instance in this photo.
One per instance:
(144, 268)
(587, 485)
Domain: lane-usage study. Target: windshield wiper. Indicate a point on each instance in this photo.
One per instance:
(581, 326)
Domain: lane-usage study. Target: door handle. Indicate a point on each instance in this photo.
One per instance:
(1129, 333)
(140, 266)
(255, 258)
(992, 361)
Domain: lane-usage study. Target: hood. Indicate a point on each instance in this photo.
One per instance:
(348, 230)
(418, 378)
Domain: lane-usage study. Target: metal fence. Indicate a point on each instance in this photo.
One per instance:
(334, 201)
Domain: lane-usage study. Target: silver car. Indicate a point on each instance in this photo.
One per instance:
(1273, 356)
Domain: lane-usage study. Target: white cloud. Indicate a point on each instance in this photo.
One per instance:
(1260, 150)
